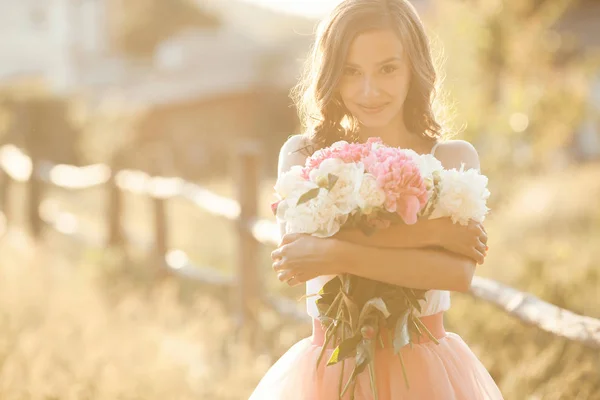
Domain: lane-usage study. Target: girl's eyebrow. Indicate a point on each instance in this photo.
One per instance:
(387, 60)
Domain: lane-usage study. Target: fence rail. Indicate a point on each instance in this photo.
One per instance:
(16, 166)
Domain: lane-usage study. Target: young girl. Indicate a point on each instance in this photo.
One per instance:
(371, 74)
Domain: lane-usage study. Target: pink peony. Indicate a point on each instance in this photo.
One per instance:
(394, 169)
(274, 206)
(400, 178)
(347, 152)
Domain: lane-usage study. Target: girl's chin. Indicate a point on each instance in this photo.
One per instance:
(379, 120)
(375, 122)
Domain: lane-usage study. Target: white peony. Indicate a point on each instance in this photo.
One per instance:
(462, 196)
(428, 165)
(292, 182)
(370, 196)
(319, 216)
(349, 178)
(339, 143)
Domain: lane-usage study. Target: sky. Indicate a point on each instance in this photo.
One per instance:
(310, 8)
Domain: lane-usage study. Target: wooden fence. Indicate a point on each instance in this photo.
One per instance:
(253, 232)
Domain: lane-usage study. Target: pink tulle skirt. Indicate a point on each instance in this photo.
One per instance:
(445, 371)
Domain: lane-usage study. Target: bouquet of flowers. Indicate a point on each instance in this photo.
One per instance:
(371, 186)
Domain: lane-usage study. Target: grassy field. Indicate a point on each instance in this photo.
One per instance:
(83, 323)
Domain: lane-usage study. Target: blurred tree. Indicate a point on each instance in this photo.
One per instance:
(139, 25)
(518, 84)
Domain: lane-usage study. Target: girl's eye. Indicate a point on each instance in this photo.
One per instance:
(349, 71)
(389, 69)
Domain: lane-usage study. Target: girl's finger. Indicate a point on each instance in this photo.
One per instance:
(278, 265)
(289, 238)
(276, 254)
(480, 254)
(284, 275)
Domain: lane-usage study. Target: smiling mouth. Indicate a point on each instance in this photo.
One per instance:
(373, 109)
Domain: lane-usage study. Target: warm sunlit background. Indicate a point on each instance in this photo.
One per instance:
(135, 134)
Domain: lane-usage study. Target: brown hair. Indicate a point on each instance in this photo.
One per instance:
(321, 111)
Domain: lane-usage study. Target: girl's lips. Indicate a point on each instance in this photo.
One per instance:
(373, 110)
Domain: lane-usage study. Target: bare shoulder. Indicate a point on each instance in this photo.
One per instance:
(454, 153)
(293, 152)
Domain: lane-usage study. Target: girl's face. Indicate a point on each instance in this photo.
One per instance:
(375, 79)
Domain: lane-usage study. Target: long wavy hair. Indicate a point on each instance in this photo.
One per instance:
(324, 118)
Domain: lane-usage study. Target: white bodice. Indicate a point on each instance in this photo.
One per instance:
(435, 300)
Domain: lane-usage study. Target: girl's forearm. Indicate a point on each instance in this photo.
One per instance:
(414, 268)
(399, 236)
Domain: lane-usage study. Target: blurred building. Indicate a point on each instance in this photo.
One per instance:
(204, 87)
(60, 40)
(210, 87)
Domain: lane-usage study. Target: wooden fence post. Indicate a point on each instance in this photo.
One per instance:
(115, 211)
(248, 247)
(34, 187)
(5, 184)
(160, 232)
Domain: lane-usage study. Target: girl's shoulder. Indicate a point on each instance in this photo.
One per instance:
(294, 151)
(454, 153)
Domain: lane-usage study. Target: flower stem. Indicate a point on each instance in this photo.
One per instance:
(341, 382)
(404, 370)
(328, 332)
(373, 380)
(423, 327)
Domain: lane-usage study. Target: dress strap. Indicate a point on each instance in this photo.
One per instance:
(435, 147)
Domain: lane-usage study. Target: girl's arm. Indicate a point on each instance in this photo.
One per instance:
(303, 257)
(469, 241)
(396, 236)
(415, 268)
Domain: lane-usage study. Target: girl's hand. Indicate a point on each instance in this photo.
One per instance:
(302, 257)
(469, 241)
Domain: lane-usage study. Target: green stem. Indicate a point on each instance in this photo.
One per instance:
(402, 364)
(328, 331)
(341, 382)
(423, 327)
(373, 380)
(404, 370)
(349, 382)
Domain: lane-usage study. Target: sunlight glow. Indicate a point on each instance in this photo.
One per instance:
(15, 163)
(308, 8)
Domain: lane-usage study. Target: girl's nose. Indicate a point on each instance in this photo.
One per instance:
(369, 87)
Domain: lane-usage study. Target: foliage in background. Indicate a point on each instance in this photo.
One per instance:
(518, 86)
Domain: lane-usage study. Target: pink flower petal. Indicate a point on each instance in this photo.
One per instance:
(408, 210)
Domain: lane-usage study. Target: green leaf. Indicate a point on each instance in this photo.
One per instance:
(346, 349)
(332, 179)
(352, 310)
(376, 303)
(401, 333)
(362, 355)
(361, 362)
(366, 228)
(379, 304)
(311, 194)
(413, 299)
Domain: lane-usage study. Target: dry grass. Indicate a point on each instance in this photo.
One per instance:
(91, 331)
(89, 324)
